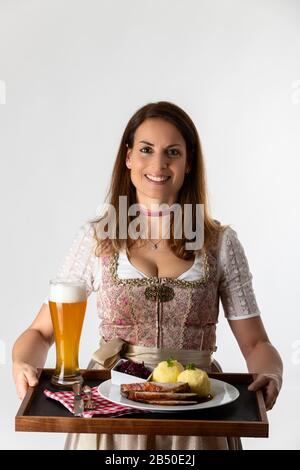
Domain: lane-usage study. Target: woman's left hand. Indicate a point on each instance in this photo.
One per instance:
(270, 384)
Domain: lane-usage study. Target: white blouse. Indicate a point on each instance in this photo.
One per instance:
(126, 270)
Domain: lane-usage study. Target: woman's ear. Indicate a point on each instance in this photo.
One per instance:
(128, 159)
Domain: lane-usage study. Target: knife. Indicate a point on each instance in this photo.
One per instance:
(78, 400)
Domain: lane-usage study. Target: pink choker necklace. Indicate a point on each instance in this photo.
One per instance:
(150, 213)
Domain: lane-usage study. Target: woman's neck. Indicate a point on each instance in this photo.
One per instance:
(157, 227)
(156, 212)
(156, 218)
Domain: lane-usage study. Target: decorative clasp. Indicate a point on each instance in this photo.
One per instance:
(161, 292)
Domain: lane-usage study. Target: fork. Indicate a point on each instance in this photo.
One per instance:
(88, 392)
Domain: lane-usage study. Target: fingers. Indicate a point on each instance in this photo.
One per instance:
(259, 382)
(269, 387)
(22, 387)
(25, 378)
(271, 395)
(31, 377)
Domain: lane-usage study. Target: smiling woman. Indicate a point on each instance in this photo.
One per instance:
(153, 303)
(162, 151)
(158, 168)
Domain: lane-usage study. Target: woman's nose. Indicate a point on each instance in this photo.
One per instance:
(160, 161)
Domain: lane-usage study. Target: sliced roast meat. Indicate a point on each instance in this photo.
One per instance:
(157, 387)
(169, 402)
(138, 395)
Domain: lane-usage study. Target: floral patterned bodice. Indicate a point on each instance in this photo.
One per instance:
(166, 312)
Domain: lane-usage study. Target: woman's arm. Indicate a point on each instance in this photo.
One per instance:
(31, 348)
(261, 357)
(30, 351)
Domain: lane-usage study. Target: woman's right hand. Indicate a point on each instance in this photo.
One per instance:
(25, 376)
(30, 351)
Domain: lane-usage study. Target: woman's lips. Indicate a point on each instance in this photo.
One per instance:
(157, 182)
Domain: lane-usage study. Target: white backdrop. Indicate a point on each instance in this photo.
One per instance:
(71, 75)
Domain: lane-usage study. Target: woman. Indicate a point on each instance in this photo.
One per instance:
(155, 296)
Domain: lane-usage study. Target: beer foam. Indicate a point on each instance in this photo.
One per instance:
(67, 292)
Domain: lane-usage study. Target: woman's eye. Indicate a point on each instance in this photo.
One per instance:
(170, 151)
(145, 148)
(174, 154)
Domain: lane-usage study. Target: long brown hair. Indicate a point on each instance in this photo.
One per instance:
(193, 190)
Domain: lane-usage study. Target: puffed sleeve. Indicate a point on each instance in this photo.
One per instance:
(235, 279)
(81, 261)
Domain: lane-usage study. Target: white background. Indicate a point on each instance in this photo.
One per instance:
(74, 72)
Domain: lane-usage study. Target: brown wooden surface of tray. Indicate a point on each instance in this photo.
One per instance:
(245, 417)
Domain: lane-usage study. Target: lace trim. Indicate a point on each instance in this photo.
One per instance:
(184, 320)
(153, 280)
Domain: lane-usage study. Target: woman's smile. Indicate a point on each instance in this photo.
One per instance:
(157, 179)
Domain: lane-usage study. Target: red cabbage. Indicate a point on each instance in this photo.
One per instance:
(134, 368)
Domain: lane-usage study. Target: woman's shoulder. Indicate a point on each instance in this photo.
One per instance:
(230, 246)
(86, 234)
(227, 231)
(102, 247)
(225, 236)
(217, 233)
(224, 229)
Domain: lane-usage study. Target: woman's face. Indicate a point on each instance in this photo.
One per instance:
(158, 162)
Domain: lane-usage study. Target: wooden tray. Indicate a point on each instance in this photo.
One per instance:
(245, 417)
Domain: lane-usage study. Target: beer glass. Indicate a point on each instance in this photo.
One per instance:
(67, 303)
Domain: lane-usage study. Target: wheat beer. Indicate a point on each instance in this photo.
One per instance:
(67, 303)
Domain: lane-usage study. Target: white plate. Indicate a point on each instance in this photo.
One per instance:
(222, 392)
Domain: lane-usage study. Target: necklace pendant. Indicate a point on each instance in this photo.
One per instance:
(154, 245)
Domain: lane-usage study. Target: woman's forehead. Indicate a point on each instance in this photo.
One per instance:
(158, 132)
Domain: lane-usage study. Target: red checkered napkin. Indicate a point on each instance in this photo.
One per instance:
(102, 406)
